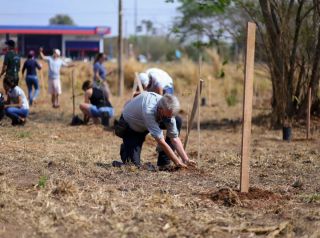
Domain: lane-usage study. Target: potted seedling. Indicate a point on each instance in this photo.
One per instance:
(287, 129)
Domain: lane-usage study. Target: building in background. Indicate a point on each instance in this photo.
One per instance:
(75, 42)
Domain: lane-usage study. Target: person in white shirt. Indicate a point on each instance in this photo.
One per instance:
(159, 81)
(54, 85)
(16, 106)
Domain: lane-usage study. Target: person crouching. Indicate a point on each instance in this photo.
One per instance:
(17, 106)
(96, 105)
(150, 113)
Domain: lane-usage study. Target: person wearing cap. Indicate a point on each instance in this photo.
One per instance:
(159, 81)
(54, 85)
(11, 63)
(31, 65)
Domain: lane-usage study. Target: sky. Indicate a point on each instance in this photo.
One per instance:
(90, 13)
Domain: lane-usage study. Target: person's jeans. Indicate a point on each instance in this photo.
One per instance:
(32, 81)
(163, 159)
(14, 113)
(98, 112)
(168, 90)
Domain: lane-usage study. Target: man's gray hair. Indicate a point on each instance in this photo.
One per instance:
(169, 102)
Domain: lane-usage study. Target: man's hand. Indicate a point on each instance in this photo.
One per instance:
(191, 163)
(182, 165)
(41, 49)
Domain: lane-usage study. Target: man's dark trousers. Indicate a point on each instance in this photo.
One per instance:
(132, 145)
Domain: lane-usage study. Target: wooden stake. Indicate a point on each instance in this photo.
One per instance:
(136, 83)
(73, 95)
(209, 90)
(42, 81)
(199, 101)
(120, 51)
(193, 112)
(309, 113)
(247, 107)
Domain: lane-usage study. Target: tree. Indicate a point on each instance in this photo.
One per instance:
(200, 20)
(288, 35)
(61, 19)
(291, 34)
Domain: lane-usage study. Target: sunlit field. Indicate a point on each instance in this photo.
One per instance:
(57, 180)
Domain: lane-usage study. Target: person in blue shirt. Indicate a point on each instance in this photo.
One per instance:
(100, 74)
(31, 66)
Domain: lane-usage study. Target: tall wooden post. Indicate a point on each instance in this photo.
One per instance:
(73, 94)
(193, 112)
(247, 107)
(199, 99)
(120, 53)
(309, 113)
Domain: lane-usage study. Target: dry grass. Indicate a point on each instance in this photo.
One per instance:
(57, 180)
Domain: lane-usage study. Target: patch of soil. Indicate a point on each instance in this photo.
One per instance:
(255, 198)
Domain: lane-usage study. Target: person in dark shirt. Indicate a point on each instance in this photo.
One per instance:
(96, 105)
(11, 63)
(31, 66)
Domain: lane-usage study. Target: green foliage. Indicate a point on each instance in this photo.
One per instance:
(199, 20)
(23, 134)
(42, 181)
(231, 99)
(61, 19)
(312, 198)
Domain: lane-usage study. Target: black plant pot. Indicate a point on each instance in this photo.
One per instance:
(286, 133)
(203, 101)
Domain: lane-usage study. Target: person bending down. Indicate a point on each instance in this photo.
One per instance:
(151, 112)
(17, 106)
(96, 105)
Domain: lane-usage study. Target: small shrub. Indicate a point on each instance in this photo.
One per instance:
(231, 99)
(42, 181)
(312, 198)
(23, 134)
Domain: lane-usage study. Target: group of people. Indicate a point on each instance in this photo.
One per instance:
(17, 104)
(152, 109)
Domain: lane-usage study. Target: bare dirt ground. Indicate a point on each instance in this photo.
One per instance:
(57, 181)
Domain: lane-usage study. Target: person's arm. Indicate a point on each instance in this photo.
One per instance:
(176, 142)
(41, 54)
(169, 152)
(24, 68)
(19, 104)
(4, 66)
(96, 75)
(87, 96)
(38, 66)
(158, 90)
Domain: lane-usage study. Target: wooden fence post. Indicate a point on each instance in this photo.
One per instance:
(193, 112)
(247, 107)
(309, 113)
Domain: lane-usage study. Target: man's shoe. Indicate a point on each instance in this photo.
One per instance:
(105, 119)
(117, 164)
